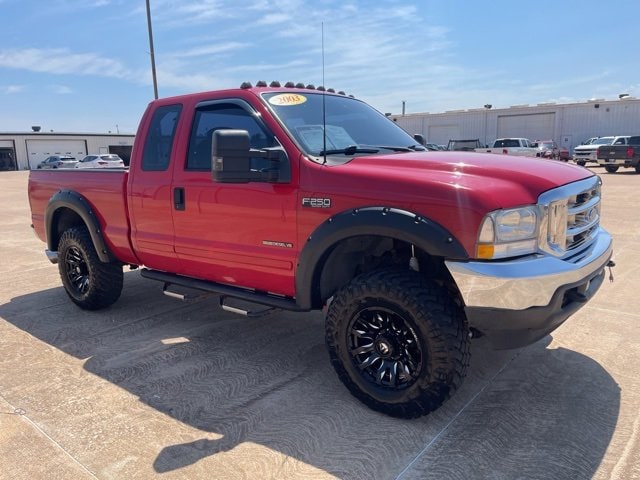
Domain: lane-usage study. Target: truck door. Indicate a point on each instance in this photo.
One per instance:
(238, 234)
(150, 196)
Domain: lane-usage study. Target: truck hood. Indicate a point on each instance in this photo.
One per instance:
(587, 148)
(490, 181)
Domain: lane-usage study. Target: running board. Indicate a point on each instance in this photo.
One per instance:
(246, 312)
(252, 296)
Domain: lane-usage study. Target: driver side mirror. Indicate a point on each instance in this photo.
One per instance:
(419, 138)
(232, 158)
(230, 162)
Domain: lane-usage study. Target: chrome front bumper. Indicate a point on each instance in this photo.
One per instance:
(526, 282)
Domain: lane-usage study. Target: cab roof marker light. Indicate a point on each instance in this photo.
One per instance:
(299, 85)
(274, 84)
(261, 83)
(246, 85)
(289, 85)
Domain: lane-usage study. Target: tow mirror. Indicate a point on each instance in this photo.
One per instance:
(234, 161)
(419, 138)
(230, 162)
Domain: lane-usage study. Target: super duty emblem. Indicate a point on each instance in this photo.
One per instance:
(316, 202)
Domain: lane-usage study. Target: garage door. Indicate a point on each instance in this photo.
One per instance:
(537, 126)
(38, 150)
(441, 134)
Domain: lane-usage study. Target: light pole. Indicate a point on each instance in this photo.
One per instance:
(153, 59)
(487, 107)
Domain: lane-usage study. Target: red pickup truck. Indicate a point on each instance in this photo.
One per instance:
(300, 199)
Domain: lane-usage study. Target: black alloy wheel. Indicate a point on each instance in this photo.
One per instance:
(89, 283)
(385, 348)
(398, 341)
(77, 270)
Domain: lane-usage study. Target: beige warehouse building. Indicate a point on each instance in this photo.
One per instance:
(567, 124)
(25, 150)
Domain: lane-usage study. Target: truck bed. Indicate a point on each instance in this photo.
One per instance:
(107, 190)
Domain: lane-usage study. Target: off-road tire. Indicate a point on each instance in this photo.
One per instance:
(90, 283)
(611, 168)
(425, 330)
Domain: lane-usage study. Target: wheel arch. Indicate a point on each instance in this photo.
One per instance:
(67, 209)
(317, 261)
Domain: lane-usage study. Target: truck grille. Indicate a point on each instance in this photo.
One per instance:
(571, 218)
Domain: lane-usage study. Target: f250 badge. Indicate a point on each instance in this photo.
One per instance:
(316, 202)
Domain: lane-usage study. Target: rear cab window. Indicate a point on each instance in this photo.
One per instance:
(160, 136)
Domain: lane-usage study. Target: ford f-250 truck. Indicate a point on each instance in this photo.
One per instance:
(303, 199)
(612, 157)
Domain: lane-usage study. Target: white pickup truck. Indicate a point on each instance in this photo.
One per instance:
(511, 146)
(589, 153)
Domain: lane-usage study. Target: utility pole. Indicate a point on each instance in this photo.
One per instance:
(153, 58)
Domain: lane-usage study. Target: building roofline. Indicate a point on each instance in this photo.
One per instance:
(546, 105)
(67, 134)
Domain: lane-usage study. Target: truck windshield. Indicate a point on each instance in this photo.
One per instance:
(349, 126)
(603, 141)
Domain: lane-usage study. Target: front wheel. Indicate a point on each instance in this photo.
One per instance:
(582, 163)
(90, 284)
(398, 342)
(611, 168)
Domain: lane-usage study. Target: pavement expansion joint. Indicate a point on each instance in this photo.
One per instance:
(455, 417)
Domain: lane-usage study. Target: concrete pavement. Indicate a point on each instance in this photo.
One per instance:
(155, 388)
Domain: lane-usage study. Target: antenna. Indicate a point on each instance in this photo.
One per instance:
(324, 111)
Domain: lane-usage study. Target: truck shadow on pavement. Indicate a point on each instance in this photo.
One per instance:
(535, 412)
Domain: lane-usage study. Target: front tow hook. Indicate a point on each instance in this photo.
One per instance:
(611, 264)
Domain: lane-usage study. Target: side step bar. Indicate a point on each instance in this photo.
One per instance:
(252, 296)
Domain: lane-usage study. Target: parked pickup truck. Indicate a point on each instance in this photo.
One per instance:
(302, 199)
(589, 152)
(464, 145)
(613, 157)
(522, 147)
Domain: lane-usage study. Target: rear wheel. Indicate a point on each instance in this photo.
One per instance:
(398, 342)
(638, 168)
(90, 283)
(611, 168)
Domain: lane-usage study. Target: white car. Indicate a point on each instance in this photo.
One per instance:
(103, 160)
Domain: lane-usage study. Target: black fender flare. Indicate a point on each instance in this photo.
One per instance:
(383, 221)
(78, 204)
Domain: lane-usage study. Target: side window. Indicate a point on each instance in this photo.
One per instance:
(157, 146)
(224, 116)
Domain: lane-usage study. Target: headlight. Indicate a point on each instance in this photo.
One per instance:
(508, 233)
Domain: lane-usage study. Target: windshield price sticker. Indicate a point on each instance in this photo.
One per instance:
(287, 99)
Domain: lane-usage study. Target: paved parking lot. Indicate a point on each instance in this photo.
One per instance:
(157, 388)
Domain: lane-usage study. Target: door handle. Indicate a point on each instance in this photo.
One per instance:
(178, 198)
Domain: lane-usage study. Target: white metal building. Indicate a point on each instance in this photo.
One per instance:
(567, 124)
(24, 150)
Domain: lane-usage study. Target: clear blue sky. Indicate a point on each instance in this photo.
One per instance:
(83, 65)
